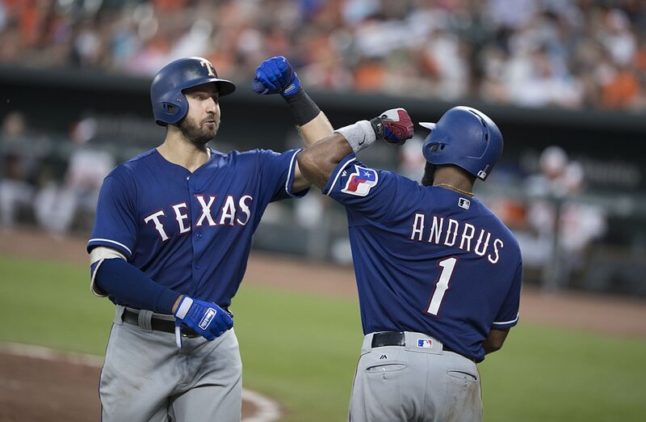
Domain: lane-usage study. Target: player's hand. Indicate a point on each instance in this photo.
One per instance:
(205, 318)
(394, 125)
(276, 76)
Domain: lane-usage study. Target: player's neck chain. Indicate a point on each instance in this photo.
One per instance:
(455, 189)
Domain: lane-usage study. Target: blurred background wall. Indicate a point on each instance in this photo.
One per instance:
(564, 80)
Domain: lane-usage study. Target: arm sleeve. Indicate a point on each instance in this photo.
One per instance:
(508, 315)
(128, 286)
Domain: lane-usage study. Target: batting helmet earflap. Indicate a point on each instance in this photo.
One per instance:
(166, 91)
(464, 137)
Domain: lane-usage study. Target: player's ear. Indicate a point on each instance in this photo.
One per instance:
(169, 108)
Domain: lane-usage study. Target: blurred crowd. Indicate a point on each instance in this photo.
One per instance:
(554, 225)
(51, 183)
(535, 53)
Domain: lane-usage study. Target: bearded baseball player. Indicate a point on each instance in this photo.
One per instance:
(438, 274)
(170, 245)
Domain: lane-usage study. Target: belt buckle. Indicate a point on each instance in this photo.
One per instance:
(187, 332)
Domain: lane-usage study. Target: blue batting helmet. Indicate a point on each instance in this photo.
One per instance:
(166, 91)
(464, 137)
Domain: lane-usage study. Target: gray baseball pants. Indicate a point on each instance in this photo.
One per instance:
(147, 378)
(416, 382)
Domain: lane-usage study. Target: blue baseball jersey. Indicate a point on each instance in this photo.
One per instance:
(427, 259)
(191, 232)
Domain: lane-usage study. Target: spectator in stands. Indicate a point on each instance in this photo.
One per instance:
(530, 52)
(562, 222)
(58, 207)
(17, 168)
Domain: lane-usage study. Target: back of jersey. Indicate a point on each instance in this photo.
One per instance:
(428, 259)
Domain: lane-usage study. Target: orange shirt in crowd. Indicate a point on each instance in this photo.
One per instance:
(621, 91)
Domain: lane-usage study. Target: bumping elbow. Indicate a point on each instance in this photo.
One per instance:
(309, 166)
(306, 162)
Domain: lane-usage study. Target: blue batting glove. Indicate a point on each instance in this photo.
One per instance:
(205, 318)
(276, 76)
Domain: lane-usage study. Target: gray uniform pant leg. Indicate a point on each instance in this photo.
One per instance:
(147, 378)
(216, 393)
(397, 383)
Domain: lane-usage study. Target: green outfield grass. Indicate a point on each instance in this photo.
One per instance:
(301, 350)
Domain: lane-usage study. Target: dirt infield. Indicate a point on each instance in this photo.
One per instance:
(31, 389)
(39, 384)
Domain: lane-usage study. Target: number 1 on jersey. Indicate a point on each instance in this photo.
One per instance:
(442, 284)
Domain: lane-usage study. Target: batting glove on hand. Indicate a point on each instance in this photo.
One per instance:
(276, 75)
(205, 318)
(394, 125)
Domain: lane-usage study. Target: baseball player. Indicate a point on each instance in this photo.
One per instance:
(438, 274)
(170, 244)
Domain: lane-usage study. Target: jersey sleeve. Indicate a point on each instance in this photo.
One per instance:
(363, 189)
(277, 171)
(508, 315)
(115, 223)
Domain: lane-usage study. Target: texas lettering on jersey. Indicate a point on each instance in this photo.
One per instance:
(450, 232)
(232, 212)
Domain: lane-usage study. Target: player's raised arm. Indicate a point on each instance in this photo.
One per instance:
(276, 76)
(317, 162)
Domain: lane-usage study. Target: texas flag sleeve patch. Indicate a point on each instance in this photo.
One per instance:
(360, 181)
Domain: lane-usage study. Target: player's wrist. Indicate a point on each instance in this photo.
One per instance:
(303, 108)
(359, 135)
(178, 300)
(183, 306)
(378, 126)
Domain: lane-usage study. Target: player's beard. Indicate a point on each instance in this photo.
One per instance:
(201, 133)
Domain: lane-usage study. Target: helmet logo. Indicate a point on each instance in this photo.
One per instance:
(209, 67)
(482, 174)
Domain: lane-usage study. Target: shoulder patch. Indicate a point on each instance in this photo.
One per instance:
(361, 181)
